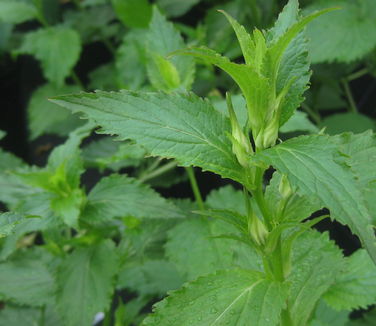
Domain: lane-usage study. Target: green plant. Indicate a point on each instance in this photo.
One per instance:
(312, 172)
(248, 257)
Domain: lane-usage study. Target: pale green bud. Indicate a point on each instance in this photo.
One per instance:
(258, 230)
(284, 187)
(241, 145)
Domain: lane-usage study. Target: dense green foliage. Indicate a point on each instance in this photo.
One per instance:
(249, 253)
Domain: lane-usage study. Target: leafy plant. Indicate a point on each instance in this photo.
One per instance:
(73, 252)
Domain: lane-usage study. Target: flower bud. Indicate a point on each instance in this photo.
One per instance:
(258, 230)
(241, 145)
(284, 187)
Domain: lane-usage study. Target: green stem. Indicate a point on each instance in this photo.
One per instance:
(109, 46)
(42, 316)
(77, 80)
(357, 74)
(312, 114)
(195, 188)
(161, 170)
(258, 194)
(349, 96)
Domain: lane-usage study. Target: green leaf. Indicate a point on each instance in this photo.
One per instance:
(227, 198)
(297, 208)
(131, 60)
(344, 35)
(46, 117)
(106, 153)
(299, 122)
(355, 286)
(14, 11)
(342, 122)
(57, 48)
(232, 297)
(85, 283)
(133, 13)
(182, 119)
(193, 249)
(162, 39)
(309, 163)
(26, 279)
(121, 196)
(150, 277)
(315, 263)
(8, 222)
(368, 319)
(16, 316)
(176, 8)
(359, 150)
(325, 316)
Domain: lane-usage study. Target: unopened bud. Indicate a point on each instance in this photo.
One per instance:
(284, 187)
(258, 230)
(241, 145)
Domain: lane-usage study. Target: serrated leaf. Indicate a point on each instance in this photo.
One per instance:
(167, 74)
(133, 13)
(326, 316)
(309, 163)
(85, 283)
(315, 263)
(169, 119)
(121, 196)
(227, 198)
(359, 150)
(46, 117)
(16, 316)
(13, 11)
(150, 277)
(297, 208)
(299, 122)
(106, 153)
(25, 279)
(193, 249)
(355, 286)
(344, 35)
(232, 297)
(8, 222)
(57, 48)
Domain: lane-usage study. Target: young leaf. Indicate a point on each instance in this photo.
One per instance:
(315, 263)
(121, 196)
(169, 119)
(309, 163)
(16, 316)
(57, 48)
(162, 39)
(85, 283)
(232, 297)
(355, 286)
